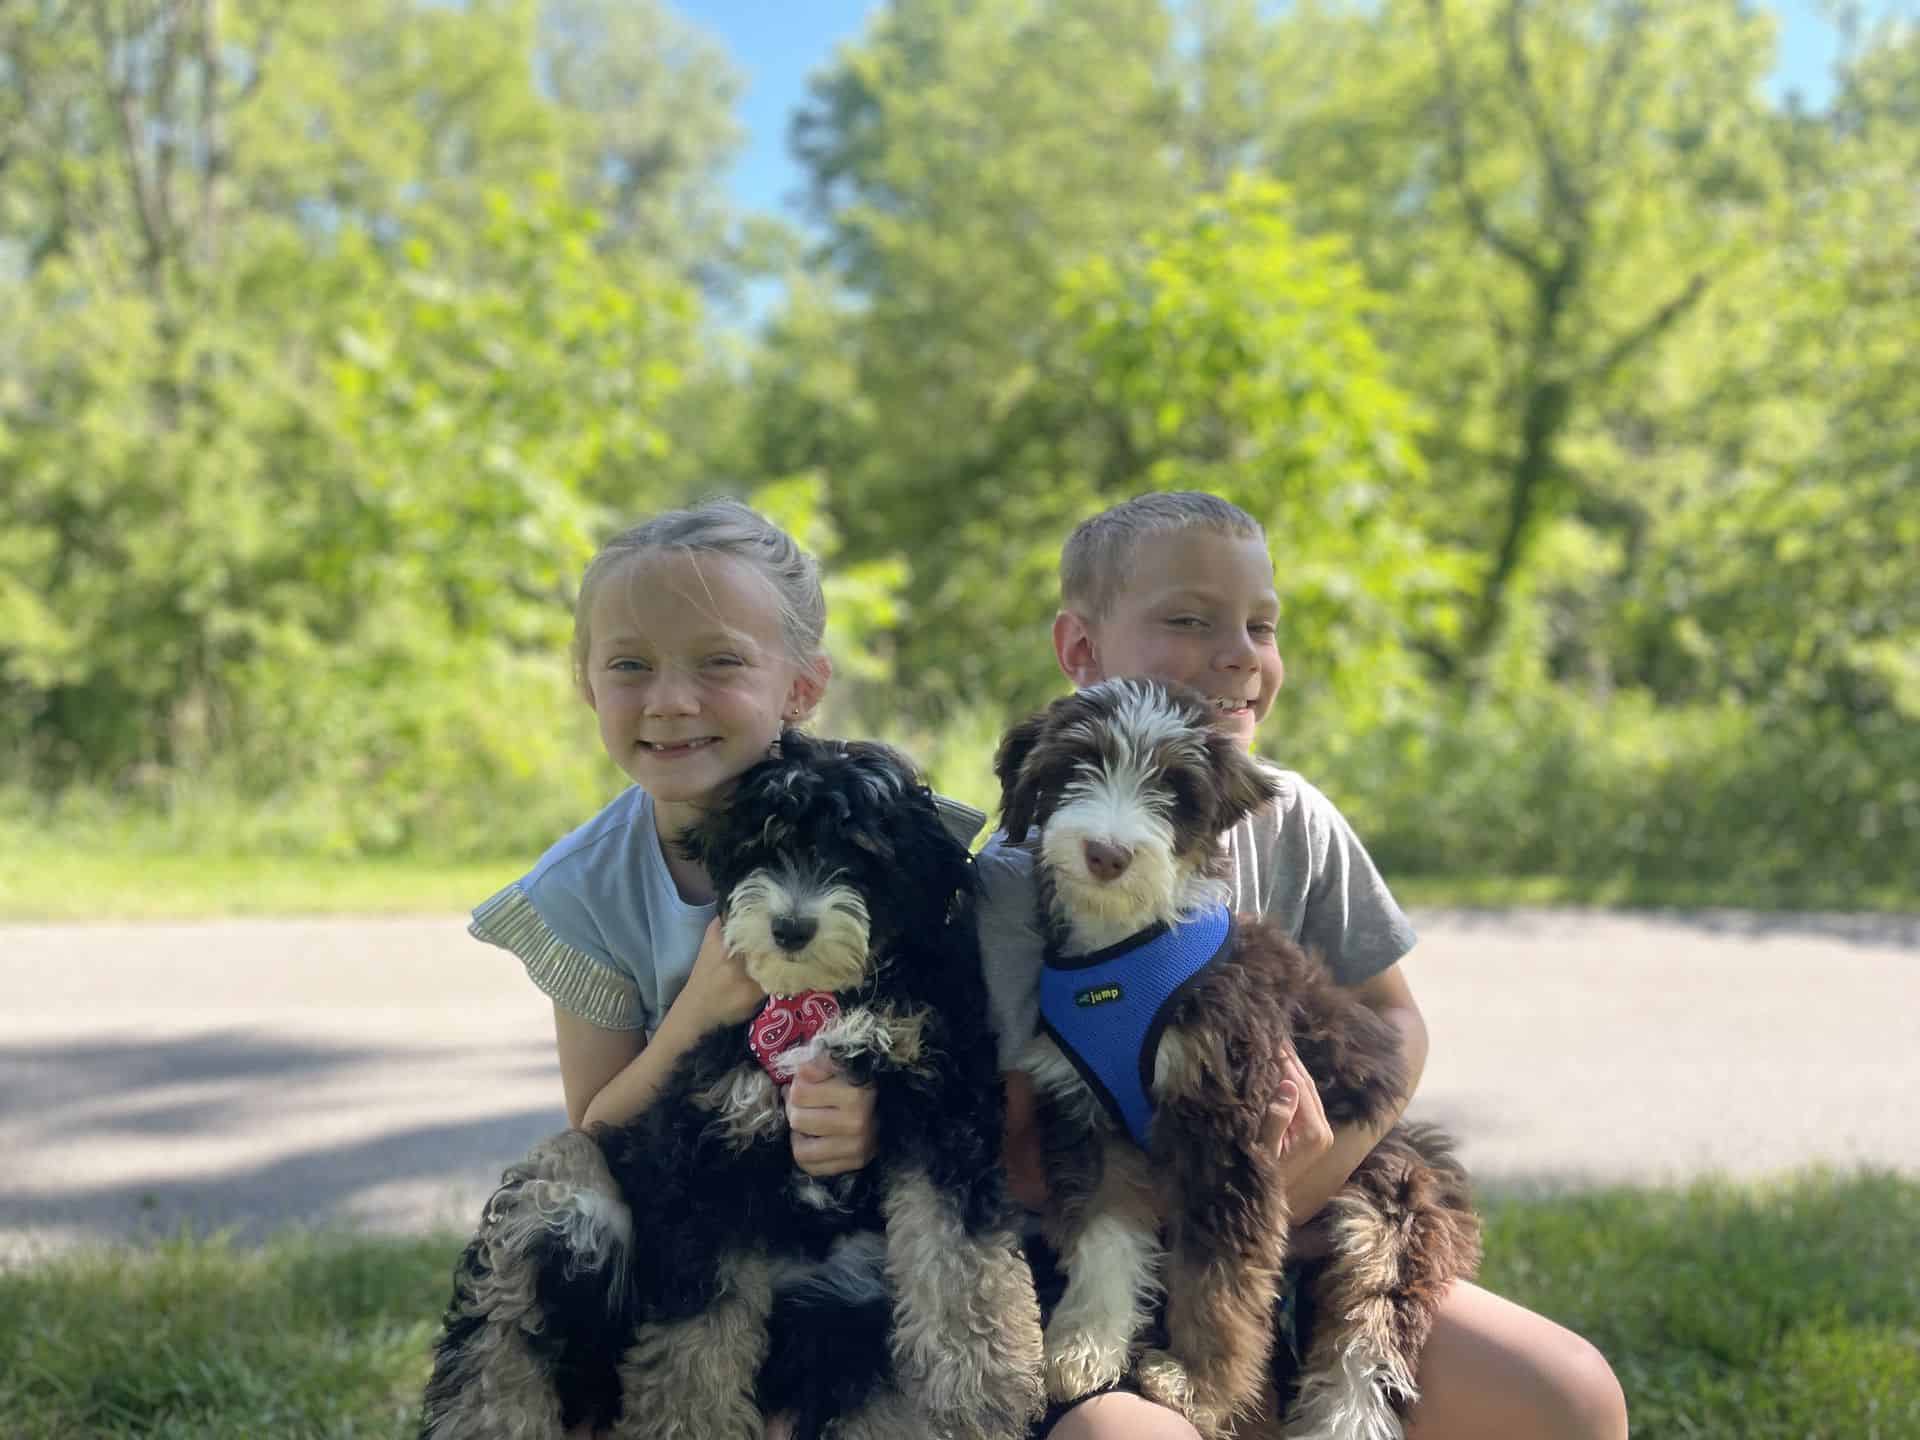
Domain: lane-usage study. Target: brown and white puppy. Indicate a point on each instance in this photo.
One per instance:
(1169, 1191)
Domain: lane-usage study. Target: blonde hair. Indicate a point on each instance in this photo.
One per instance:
(716, 527)
(1096, 554)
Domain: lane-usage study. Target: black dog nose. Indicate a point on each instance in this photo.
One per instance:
(1107, 862)
(792, 932)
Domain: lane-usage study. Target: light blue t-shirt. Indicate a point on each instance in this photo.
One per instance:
(600, 925)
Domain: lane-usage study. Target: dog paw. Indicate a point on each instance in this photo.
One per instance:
(1165, 1381)
(1078, 1363)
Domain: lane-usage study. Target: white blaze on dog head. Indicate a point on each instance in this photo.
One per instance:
(1130, 785)
(798, 928)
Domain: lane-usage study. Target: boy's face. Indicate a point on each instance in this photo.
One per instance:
(1196, 606)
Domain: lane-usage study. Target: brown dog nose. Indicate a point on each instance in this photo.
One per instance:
(1107, 862)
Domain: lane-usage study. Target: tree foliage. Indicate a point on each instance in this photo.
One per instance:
(1573, 375)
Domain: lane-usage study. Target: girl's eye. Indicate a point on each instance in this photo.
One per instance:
(627, 667)
(1186, 622)
(1265, 629)
(725, 660)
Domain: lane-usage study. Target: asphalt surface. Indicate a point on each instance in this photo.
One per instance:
(378, 1074)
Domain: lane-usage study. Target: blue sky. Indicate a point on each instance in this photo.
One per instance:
(778, 43)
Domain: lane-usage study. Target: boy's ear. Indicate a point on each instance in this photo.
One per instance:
(1073, 647)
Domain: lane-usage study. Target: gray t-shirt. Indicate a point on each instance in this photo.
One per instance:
(1296, 861)
(600, 925)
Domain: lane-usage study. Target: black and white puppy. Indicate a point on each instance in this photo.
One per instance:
(677, 1275)
(1165, 1019)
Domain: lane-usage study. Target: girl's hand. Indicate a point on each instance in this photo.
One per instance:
(1296, 1129)
(832, 1121)
(719, 991)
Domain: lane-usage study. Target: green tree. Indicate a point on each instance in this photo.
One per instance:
(318, 384)
(1547, 190)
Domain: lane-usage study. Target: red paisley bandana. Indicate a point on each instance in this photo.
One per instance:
(787, 1021)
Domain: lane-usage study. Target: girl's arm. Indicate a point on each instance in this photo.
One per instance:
(590, 1056)
(613, 1075)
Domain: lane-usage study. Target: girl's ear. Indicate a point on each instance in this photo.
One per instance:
(808, 687)
(1009, 763)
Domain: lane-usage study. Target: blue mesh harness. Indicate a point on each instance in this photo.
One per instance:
(1106, 1010)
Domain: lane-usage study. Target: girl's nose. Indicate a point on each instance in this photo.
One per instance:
(671, 693)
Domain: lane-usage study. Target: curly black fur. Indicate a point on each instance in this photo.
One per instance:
(697, 1193)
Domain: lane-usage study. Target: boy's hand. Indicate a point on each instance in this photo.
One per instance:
(718, 991)
(1296, 1129)
(832, 1121)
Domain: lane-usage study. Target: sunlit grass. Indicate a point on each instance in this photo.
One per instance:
(62, 884)
(1628, 892)
(1760, 1312)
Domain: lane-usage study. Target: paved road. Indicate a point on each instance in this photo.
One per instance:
(379, 1073)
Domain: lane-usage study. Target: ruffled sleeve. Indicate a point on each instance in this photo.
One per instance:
(963, 822)
(578, 981)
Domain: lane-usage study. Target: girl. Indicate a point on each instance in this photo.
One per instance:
(697, 640)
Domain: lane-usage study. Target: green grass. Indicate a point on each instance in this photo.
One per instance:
(1784, 1310)
(62, 882)
(1630, 892)
(65, 884)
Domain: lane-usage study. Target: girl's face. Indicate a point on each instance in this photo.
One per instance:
(690, 675)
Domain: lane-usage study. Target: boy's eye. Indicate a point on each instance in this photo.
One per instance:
(1187, 622)
(1265, 629)
(626, 666)
(725, 660)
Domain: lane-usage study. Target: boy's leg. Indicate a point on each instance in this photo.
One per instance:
(1121, 1416)
(1492, 1367)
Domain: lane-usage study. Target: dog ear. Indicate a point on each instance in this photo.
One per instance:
(1017, 799)
(702, 840)
(1241, 784)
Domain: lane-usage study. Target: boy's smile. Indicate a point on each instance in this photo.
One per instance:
(1198, 607)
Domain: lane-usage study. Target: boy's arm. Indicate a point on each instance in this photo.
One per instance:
(1389, 996)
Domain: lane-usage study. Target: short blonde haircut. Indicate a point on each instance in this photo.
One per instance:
(1094, 559)
(716, 527)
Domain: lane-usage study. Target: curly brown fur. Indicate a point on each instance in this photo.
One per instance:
(1129, 785)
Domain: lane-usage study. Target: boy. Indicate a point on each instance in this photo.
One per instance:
(1179, 586)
